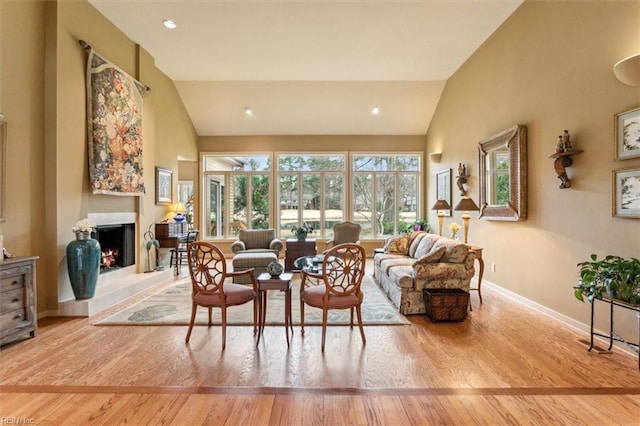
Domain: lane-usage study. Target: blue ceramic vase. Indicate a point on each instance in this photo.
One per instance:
(83, 263)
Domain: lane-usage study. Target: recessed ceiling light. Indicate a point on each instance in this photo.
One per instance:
(248, 111)
(375, 111)
(169, 24)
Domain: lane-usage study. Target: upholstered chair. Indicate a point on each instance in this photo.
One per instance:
(345, 232)
(257, 240)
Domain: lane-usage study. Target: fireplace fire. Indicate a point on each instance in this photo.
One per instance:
(109, 258)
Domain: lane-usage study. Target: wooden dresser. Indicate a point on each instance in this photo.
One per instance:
(18, 310)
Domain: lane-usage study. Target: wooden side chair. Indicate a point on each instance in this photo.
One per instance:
(336, 285)
(208, 271)
(178, 253)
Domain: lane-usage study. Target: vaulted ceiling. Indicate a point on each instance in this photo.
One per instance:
(309, 67)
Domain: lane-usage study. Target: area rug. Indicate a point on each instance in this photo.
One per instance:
(172, 306)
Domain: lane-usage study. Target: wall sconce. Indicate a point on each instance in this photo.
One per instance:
(564, 158)
(435, 157)
(628, 70)
(466, 204)
(441, 205)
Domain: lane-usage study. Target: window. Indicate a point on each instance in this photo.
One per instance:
(245, 182)
(385, 192)
(311, 189)
(381, 192)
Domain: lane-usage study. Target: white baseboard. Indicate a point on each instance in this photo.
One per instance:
(568, 321)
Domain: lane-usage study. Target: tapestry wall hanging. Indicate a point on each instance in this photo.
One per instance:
(114, 116)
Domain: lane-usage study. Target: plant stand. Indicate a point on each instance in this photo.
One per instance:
(612, 335)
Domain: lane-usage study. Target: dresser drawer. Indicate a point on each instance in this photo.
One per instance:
(11, 319)
(11, 300)
(11, 281)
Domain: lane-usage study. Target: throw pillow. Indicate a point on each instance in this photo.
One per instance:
(398, 245)
(433, 256)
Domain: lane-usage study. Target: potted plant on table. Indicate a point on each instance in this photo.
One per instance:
(613, 276)
(301, 231)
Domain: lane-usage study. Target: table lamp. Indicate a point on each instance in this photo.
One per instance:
(466, 204)
(179, 208)
(441, 205)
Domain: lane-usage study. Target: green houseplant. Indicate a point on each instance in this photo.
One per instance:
(612, 276)
(301, 231)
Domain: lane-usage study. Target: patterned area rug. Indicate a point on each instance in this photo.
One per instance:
(172, 306)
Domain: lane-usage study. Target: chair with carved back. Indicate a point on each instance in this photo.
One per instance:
(336, 286)
(208, 272)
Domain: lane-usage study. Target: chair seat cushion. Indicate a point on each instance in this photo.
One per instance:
(314, 296)
(245, 260)
(237, 294)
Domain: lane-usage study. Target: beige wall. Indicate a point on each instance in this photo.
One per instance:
(44, 99)
(548, 67)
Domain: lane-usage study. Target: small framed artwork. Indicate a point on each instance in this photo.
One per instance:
(627, 134)
(164, 185)
(443, 188)
(626, 192)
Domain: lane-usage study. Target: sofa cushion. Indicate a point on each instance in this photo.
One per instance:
(416, 238)
(455, 251)
(433, 256)
(398, 245)
(425, 246)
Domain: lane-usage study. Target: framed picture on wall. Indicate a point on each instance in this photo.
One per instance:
(3, 172)
(626, 192)
(164, 185)
(627, 134)
(443, 188)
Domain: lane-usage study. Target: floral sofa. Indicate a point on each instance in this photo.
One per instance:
(413, 262)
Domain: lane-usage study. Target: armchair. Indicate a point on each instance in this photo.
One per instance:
(257, 240)
(345, 232)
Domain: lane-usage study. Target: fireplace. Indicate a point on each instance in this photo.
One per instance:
(118, 245)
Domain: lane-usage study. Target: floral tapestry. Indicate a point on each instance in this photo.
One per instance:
(114, 103)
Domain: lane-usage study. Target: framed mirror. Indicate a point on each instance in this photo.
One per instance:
(502, 169)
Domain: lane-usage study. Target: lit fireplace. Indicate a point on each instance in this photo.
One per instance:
(117, 243)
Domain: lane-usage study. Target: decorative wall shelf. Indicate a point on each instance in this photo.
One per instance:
(562, 161)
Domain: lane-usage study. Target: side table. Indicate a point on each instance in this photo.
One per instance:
(478, 253)
(296, 249)
(283, 283)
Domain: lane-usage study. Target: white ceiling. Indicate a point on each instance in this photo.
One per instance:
(309, 67)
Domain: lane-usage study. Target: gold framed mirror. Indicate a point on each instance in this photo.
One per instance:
(502, 169)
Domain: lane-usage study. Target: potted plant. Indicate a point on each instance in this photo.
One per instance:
(301, 231)
(420, 225)
(612, 276)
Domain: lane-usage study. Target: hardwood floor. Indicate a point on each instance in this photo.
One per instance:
(506, 364)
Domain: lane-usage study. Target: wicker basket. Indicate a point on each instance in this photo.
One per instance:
(446, 304)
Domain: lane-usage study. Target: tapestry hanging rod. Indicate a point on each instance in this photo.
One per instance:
(86, 46)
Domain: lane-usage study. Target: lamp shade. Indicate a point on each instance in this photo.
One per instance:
(441, 205)
(179, 207)
(466, 204)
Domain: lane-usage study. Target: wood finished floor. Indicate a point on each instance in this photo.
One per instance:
(506, 364)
